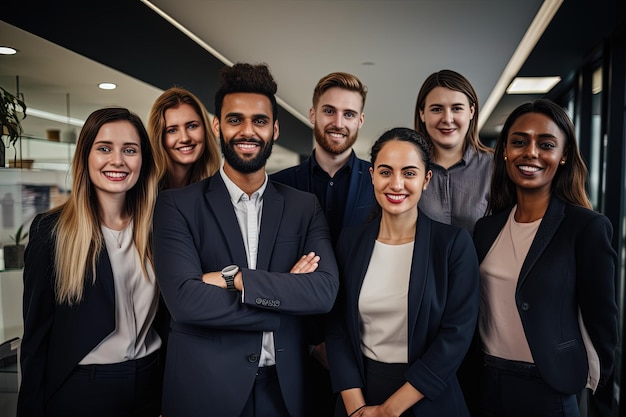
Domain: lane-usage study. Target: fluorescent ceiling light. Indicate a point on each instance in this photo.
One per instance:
(54, 117)
(531, 37)
(532, 85)
(107, 86)
(7, 50)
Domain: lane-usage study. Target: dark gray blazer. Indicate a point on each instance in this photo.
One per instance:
(215, 337)
(570, 265)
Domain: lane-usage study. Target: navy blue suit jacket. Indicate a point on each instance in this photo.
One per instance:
(442, 312)
(360, 199)
(215, 338)
(57, 337)
(570, 265)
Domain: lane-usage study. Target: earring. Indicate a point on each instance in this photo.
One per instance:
(562, 162)
(505, 158)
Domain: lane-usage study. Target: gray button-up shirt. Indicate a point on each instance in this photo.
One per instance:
(458, 195)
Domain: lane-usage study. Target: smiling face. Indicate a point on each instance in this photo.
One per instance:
(246, 131)
(337, 119)
(183, 137)
(446, 115)
(534, 149)
(115, 159)
(399, 177)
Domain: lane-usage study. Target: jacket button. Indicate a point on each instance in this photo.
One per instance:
(253, 358)
(525, 306)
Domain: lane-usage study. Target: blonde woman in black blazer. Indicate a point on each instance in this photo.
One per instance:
(90, 347)
(561, 291)
(433, 298)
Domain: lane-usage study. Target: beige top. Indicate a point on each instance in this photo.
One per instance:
(499, 322)
(383, 303)
(136, 303)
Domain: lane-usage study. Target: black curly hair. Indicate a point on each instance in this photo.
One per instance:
(247, 78)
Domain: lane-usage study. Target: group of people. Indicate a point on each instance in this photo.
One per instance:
(174, 283)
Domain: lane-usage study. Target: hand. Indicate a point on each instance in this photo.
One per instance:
(375, 411)
(308, 263)
(214, 278)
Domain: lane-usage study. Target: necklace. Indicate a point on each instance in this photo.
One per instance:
(118, 237)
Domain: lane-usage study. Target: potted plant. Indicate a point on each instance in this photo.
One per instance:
(14, 253)
(12, 111)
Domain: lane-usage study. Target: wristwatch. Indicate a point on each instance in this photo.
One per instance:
(228, 273)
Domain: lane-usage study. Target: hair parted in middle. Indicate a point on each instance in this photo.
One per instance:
(403, 134)
(209, 162)
(569, 180)
(246, 78)
(454, 81)
(79, 238)
(342, 80)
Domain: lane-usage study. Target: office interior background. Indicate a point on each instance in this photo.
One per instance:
(66, 48)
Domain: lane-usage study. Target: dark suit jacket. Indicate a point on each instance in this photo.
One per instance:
(360, 199)
(570, 265)
(442, 312)
(57, 337)
(215, 338)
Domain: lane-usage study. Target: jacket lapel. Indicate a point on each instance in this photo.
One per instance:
(419, 270)
(273, 206)
(549, 224)
(218, 200)
(354, 189)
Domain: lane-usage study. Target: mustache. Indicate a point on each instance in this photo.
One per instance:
(233, 142)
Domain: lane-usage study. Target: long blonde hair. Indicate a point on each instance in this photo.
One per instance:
(209, 161)
(78, 236)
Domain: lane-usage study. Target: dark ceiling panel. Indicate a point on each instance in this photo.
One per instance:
(131, 38)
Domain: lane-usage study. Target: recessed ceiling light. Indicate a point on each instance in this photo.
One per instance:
(7, 50)
(532, 85)
(107, 86)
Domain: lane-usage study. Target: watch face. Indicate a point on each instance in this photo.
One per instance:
(230, 270)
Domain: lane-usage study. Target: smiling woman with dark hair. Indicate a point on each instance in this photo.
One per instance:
(408, 299)
(548, 315)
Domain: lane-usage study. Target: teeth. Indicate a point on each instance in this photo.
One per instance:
(528, 168)
(336, 135)
(115, 174)
(185, 148)
(246, 146)
(396, 197)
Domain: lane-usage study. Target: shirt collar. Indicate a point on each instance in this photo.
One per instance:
(348, 165)
(236, 194)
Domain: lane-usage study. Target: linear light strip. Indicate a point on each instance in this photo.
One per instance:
(54, 117)
(215, 53)
(534, 32)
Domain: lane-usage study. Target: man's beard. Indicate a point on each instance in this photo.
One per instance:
(242, 165)
(332, 147)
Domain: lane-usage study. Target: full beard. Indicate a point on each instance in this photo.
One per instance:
(242, 165)
(329, 145)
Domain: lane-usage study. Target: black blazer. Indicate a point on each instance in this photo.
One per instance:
(57, 337)
(570, 265)
(215, 337)
(442, 312)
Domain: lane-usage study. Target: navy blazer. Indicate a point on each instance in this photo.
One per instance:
(570, 265)
(442, 312)
(57, 337)
(215, 337)
(360, 200)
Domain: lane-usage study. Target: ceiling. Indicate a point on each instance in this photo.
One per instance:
(392, 45)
